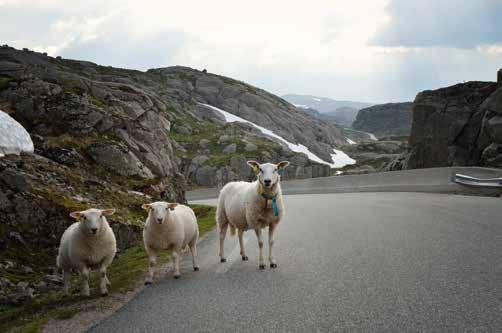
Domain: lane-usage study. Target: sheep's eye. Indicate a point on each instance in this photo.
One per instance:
(261, 170)
(84, 217)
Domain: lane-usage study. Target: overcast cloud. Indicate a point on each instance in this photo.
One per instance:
(365, 50)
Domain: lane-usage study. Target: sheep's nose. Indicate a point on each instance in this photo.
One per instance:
(267, 182)
(159, 221)
(94, 230)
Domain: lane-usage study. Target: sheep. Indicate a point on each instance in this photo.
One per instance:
(169, 226)
(255, 205)
(87, 244)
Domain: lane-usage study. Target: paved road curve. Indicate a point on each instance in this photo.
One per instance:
(362, 262)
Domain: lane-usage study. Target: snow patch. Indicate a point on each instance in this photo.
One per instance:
(372, 137)
(316, 99)
(350, 142)
(339, 158)
(13, 136)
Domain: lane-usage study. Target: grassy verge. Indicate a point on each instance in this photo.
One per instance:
(125, 273)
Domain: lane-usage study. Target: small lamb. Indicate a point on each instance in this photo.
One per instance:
(169, 226)
(256, 205)
(88, 244)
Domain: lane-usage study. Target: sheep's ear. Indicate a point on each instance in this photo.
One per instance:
(171, 206)
(255, 165)
(282, 165)
(76, 215)
(146, 206)
(108, 212)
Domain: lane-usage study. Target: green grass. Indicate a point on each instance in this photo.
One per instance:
(126, 273)
(4, 82)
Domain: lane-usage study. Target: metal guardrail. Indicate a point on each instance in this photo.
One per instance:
(477, 182)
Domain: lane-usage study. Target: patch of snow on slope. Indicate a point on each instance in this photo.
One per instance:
(339, 158)
(316, 99)
(13, 137)
(372, 137)
(350, 142)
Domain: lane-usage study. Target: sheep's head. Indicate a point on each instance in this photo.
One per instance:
(92, 219)
(268, 173)
(158, 211)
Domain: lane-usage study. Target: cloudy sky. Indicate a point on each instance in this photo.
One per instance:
(364, 50)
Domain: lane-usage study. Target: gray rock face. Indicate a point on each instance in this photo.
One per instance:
(250, 147)
(230, 149)
(119, 159)
(392, 119)
(454, 125)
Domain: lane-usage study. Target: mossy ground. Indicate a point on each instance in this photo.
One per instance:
(4, 82)
(125, 273)
(211, 132)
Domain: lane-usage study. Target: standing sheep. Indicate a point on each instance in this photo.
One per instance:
(88, 244)
(169, 226)
(256, 205)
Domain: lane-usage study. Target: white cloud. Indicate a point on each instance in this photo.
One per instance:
(318, 47)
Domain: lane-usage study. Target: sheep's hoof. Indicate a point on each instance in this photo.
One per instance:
(104, 294)
(273, 265)
(196, 268)
(245, 258)
(223, 260)
(177, 276)
(262, 266)
(147, 283)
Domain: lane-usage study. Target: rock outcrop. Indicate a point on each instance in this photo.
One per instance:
(457, 126)
(392, 119)
(374, 156)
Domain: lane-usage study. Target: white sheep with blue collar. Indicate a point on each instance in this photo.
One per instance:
(87, 244)
(252, 205)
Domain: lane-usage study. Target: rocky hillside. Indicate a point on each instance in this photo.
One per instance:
(458, 125)
(392, 119)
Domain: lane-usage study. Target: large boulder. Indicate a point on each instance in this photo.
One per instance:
(452, 126)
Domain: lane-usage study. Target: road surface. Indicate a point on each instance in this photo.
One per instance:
(358, 262)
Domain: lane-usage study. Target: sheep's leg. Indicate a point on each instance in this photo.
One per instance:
(103, 282)
(271, 229)
(223, 233)
(84, 273)
(193, 250)
(66, 279)
(152, 260)
(241, 243)
(176, 259)
(260, 245)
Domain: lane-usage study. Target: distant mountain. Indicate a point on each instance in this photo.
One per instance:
(341, 112)
(323, 104)
(343, 116)
(391, 119)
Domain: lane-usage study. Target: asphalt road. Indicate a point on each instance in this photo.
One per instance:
(359, 262)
